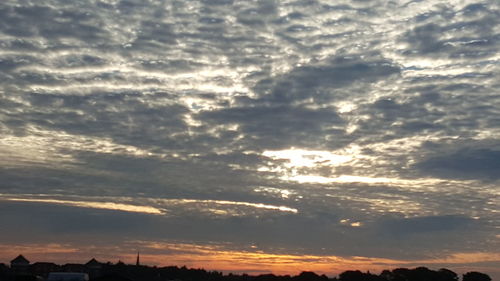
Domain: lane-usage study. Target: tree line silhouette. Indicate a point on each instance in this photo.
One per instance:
(124, 272)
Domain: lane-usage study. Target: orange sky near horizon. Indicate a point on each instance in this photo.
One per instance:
(256, 262)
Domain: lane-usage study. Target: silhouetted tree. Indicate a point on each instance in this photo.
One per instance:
(401, 274)
(266, 277)
(124, 272)
(356, 275)
(447, 275)
(387, 275)
(351, 275)
(476, 276)
(424, 274)
(309, 276)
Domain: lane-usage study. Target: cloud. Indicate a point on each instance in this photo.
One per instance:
(319, 82)
(278, 126)
(469, 32)
(51, 24)
(125, 121)
(467, 163)
(428, 224)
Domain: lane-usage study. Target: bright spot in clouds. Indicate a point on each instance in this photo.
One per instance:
(306, 158)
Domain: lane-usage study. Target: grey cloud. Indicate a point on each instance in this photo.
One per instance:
(427, 236)
(9, 63)
(37, 78)
(319, 81)
(439, 105)
(62, 224)
(269, 232)
(272, 233)
(471, 36)
(218, 2)
(50, 23)
(80, 61)
(466, 163)
(475, 9)
(71, 179)
(122, 117)
(451, 223)
(191, 177)
(257, 15)
(279, 126)
(20, 44)
(100, 174)
(170, 65)
(392, 119)
(154, 35)
(82, 222)
(424, 38)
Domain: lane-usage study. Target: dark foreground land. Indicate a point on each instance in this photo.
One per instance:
(21, 270)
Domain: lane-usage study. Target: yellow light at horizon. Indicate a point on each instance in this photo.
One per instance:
(218, 257)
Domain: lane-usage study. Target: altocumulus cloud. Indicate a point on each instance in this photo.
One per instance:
(372, 124)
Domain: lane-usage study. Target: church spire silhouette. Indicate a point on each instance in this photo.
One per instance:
(137, 263)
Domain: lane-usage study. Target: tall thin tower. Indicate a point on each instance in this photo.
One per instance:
(137, 261)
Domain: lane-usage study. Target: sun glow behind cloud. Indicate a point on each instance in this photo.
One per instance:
(295, 159)
(307, 158)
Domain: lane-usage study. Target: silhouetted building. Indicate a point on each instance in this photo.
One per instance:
(97, 271)
(94, 268)
(4, 268)
(74, 267)
(20, 264)
(44, 268)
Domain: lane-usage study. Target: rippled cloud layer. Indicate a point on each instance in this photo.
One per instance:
(344, 129)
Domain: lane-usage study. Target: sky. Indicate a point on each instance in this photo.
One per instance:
(252, 135)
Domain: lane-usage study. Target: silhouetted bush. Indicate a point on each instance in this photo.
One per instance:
(475, 276)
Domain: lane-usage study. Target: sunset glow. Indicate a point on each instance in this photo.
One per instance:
(216, 257)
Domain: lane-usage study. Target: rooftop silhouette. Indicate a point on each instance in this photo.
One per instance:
(21, 269)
